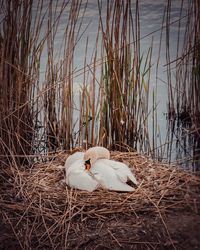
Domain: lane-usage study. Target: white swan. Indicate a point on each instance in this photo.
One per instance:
(95, 169)
(76, 175)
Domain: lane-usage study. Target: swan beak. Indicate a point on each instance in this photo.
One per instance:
(87, 166)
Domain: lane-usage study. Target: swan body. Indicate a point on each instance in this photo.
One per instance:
(102, 172)
(76, 175)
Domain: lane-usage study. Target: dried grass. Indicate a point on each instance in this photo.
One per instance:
(39, 211)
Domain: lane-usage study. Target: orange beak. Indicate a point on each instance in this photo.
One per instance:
(87, 166)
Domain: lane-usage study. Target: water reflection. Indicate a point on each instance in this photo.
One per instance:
(184, 143)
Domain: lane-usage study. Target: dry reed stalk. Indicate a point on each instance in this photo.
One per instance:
(16, 127)
(124, 100)
(72, 36)
(183, 96)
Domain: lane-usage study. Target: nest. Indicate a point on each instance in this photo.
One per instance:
(38, 210)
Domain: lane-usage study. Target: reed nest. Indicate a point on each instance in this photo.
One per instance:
(38, 211)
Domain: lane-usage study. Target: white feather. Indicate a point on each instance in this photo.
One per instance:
(73, 158)
(122, 170)
(78, 177)
(108, 177)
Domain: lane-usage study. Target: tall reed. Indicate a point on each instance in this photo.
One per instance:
(59, 78)
(184, 95)
(126, 79)
(16, 82)
(39, 115)
(39, 112)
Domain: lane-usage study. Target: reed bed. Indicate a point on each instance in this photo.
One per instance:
(39, 116)
(123, 113)
(16, 83)
(38, 210)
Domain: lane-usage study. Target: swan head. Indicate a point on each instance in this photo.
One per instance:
(90, 157)
(93, 154)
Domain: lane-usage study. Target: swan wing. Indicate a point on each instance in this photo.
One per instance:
(107, 177)
(122, 171)
(78, 177)
(72, 158)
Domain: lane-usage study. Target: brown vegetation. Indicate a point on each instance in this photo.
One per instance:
(39, 211)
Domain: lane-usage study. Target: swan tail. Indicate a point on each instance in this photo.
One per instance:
(132, 178)
(123, 188)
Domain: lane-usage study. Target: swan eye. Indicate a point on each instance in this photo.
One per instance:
(87, 162)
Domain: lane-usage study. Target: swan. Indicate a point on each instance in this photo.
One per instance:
(77, 176)
(93, 169)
